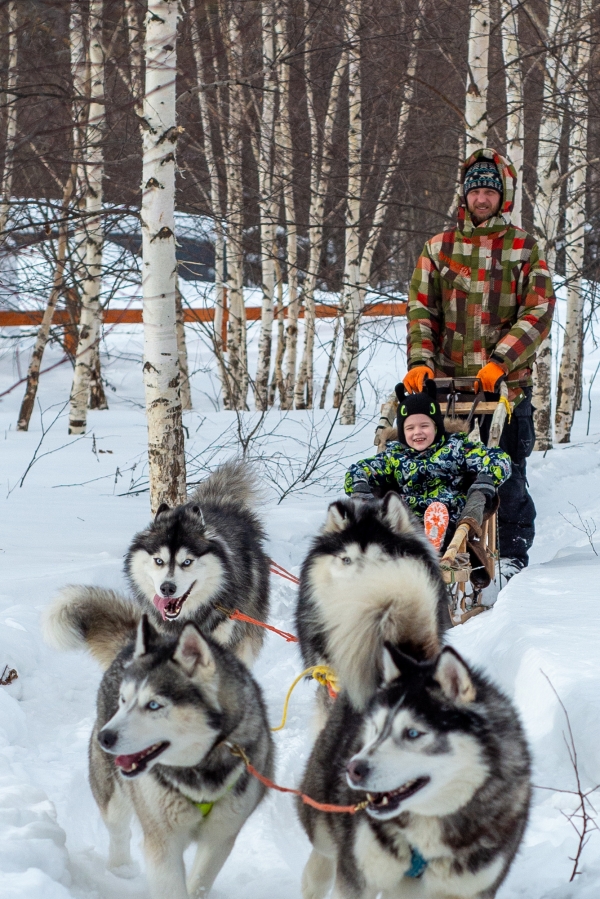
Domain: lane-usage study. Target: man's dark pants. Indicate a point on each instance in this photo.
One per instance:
(516, 514)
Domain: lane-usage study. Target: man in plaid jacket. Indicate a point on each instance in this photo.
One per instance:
(480, 304)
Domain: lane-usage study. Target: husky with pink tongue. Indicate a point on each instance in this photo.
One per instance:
(170, 709)
(205, 559)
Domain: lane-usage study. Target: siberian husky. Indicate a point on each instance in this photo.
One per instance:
(169, 709)
(441, 763)
(370, 576)
(203, 559)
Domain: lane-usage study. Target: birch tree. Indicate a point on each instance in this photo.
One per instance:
(476, 114)
(210, 129)
(33, 372)
(90, 322)
(546, 207)
(575, 219)
(515, 102)
(268, 202)
(319, 183)
(11, 117)
(346, 390)
(357, 277)
(161, 370)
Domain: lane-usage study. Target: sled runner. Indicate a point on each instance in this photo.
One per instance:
(469, 562)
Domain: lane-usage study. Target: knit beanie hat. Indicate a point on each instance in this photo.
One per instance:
(424, 403)
(483, 173)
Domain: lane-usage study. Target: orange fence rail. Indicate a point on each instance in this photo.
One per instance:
(134, 316)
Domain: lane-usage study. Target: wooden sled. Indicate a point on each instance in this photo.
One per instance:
(469, 562)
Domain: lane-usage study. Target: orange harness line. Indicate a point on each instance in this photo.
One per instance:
(307, 800)
(236, 615)
(288, 576)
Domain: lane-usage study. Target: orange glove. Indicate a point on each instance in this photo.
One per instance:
(414, 380)
(489, 375)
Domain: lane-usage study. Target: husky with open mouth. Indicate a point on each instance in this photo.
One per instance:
(169, 709)
(371, 575)
(441, 764)
(205, 558)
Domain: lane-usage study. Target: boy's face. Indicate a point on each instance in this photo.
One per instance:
(419, 431)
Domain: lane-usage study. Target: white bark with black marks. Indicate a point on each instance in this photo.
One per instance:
(159, 268)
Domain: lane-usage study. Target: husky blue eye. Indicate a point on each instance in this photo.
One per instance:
(346, 560)
(159, 562)
(186, 563)
(412, 733)
(153, 705)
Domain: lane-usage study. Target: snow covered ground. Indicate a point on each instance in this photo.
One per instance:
(68, 521)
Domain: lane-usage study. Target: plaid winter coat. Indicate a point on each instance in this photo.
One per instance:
(478, 292)
(443, 472)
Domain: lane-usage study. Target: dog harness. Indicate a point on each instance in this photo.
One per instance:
(417, 864)
(205, 808)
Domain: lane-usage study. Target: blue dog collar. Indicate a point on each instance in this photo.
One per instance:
(417, 864)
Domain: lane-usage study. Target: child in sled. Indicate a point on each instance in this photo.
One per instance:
(432, 470)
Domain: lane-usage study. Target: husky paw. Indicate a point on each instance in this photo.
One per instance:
(126, 871)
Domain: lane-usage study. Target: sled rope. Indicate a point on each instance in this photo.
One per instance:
(321, 673)
(307, 800)
(236, 615)
(286, 575)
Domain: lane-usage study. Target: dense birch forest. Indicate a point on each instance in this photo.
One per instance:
(310, 147)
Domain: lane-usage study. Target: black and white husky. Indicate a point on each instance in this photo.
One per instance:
(168, 708)
(441, 762)
(370, 576)
(201, 559)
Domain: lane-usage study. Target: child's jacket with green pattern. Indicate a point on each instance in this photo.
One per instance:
(440, 472)
(478, 292)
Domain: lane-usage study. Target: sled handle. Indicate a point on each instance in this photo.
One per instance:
(456, 544)
(499, 417)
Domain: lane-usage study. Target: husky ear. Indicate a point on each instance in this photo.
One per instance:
(197, 511)
(161, 510)
(193, 654)
(143, 638)
(338, 518)
(391, 672)
(397, 663)
(454, 677)
(395, 514)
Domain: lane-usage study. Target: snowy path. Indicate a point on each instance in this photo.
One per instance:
(52, 842)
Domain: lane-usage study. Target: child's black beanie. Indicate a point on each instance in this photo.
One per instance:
(424, 403)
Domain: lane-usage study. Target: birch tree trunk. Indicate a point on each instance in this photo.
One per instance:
(515, 127)
(546, 208)
(268, 204)
(569, 378)
(210, 152)
(476, 117)
(11, 118)
(319, 182)
(236, 324)
(284, 142)
(345, 394)
(33, 372)
(89, 329)
(161, 369)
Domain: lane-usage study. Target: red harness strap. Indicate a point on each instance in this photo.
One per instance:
(277, 569)
(239, 616)
(320, 806)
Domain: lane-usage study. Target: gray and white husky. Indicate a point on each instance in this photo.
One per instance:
(440, 760)
(201, 559)
(169, 707)
(370, 576)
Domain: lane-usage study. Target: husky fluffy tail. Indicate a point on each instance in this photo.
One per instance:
(404, 613)
(101, 621)
(233, 482)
